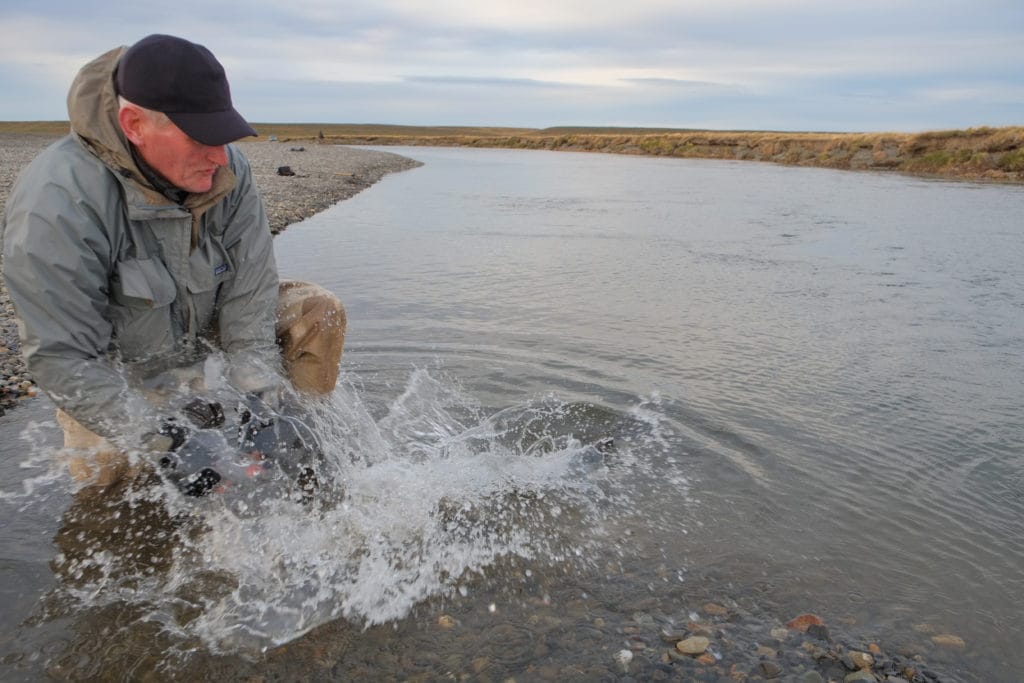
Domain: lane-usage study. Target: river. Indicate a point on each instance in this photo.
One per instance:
(597, 389)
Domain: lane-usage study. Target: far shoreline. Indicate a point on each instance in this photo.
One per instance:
(983, 153)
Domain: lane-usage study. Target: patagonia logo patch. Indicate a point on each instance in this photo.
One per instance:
(219, 270)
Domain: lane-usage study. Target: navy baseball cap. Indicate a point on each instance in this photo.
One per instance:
(184, 81)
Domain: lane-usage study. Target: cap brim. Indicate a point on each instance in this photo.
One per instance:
(213, 128)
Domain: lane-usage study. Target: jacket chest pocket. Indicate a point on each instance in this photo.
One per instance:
(142, 294)
(210, 266)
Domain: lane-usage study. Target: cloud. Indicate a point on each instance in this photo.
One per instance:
(669, 62)
(495, 82)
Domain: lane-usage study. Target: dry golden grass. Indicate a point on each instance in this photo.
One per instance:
(992, 153)
(35, 127)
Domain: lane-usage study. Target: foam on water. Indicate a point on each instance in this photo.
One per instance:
(414, 503)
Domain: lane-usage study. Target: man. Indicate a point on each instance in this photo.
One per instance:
(139, 244)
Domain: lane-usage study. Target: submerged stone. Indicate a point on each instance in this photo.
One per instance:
(948, 640)
(804, 621)
(694, 645)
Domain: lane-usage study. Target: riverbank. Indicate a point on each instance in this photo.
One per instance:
(983, 153)
(323, 175)
(978, 154)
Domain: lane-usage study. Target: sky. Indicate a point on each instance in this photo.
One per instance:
(822, 65)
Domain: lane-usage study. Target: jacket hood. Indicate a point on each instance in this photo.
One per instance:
(92, 110)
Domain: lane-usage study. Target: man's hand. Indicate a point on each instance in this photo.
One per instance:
(192, 455)
(192, 466)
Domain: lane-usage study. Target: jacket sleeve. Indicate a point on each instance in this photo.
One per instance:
(56, 263)
(248, 303)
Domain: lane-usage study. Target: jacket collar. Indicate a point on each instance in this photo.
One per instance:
(92, 109)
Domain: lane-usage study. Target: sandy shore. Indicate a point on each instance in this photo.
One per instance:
(324, 175)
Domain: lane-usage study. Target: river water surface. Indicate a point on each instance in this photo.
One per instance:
(584, 393)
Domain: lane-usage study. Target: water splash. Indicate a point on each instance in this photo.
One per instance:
(413, 504)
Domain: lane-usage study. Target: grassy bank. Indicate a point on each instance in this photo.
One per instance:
(976, 153)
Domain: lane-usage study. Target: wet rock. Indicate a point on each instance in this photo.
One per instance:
(818, 632)
(679, 658)
(707, 659)
(672, 636)
(780, 633)
(446, 621)
(698, 629)
(861, 660)
(857, 676)
(637, 643)
(694, 645)
(812, 677)
(769, 670)
(949, 641)
(835, 672)
(802, 622)
(715, 610)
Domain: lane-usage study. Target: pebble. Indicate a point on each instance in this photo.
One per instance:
(694, 645)
(715, 610)
(672, 636)
(859, 676)
(769, 670)
(948, 640)
(802, 622)
(698, 629)
(861, 660)
(818, 632)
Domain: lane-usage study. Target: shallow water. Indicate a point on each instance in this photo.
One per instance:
(810, 381)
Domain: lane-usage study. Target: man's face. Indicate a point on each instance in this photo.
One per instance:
(187, 164)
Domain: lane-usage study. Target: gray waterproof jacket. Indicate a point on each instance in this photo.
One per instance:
(113, 282)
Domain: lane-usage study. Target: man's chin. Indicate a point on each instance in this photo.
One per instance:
(200, 186)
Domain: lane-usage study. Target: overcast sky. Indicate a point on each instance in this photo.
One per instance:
(837, 65)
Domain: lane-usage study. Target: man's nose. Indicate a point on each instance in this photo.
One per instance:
(218, 155)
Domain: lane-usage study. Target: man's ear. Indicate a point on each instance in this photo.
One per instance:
(132, 123)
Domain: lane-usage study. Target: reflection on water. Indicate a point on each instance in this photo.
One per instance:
(583, 395)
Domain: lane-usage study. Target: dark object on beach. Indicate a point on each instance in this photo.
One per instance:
(298, 149)
(285, 170)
